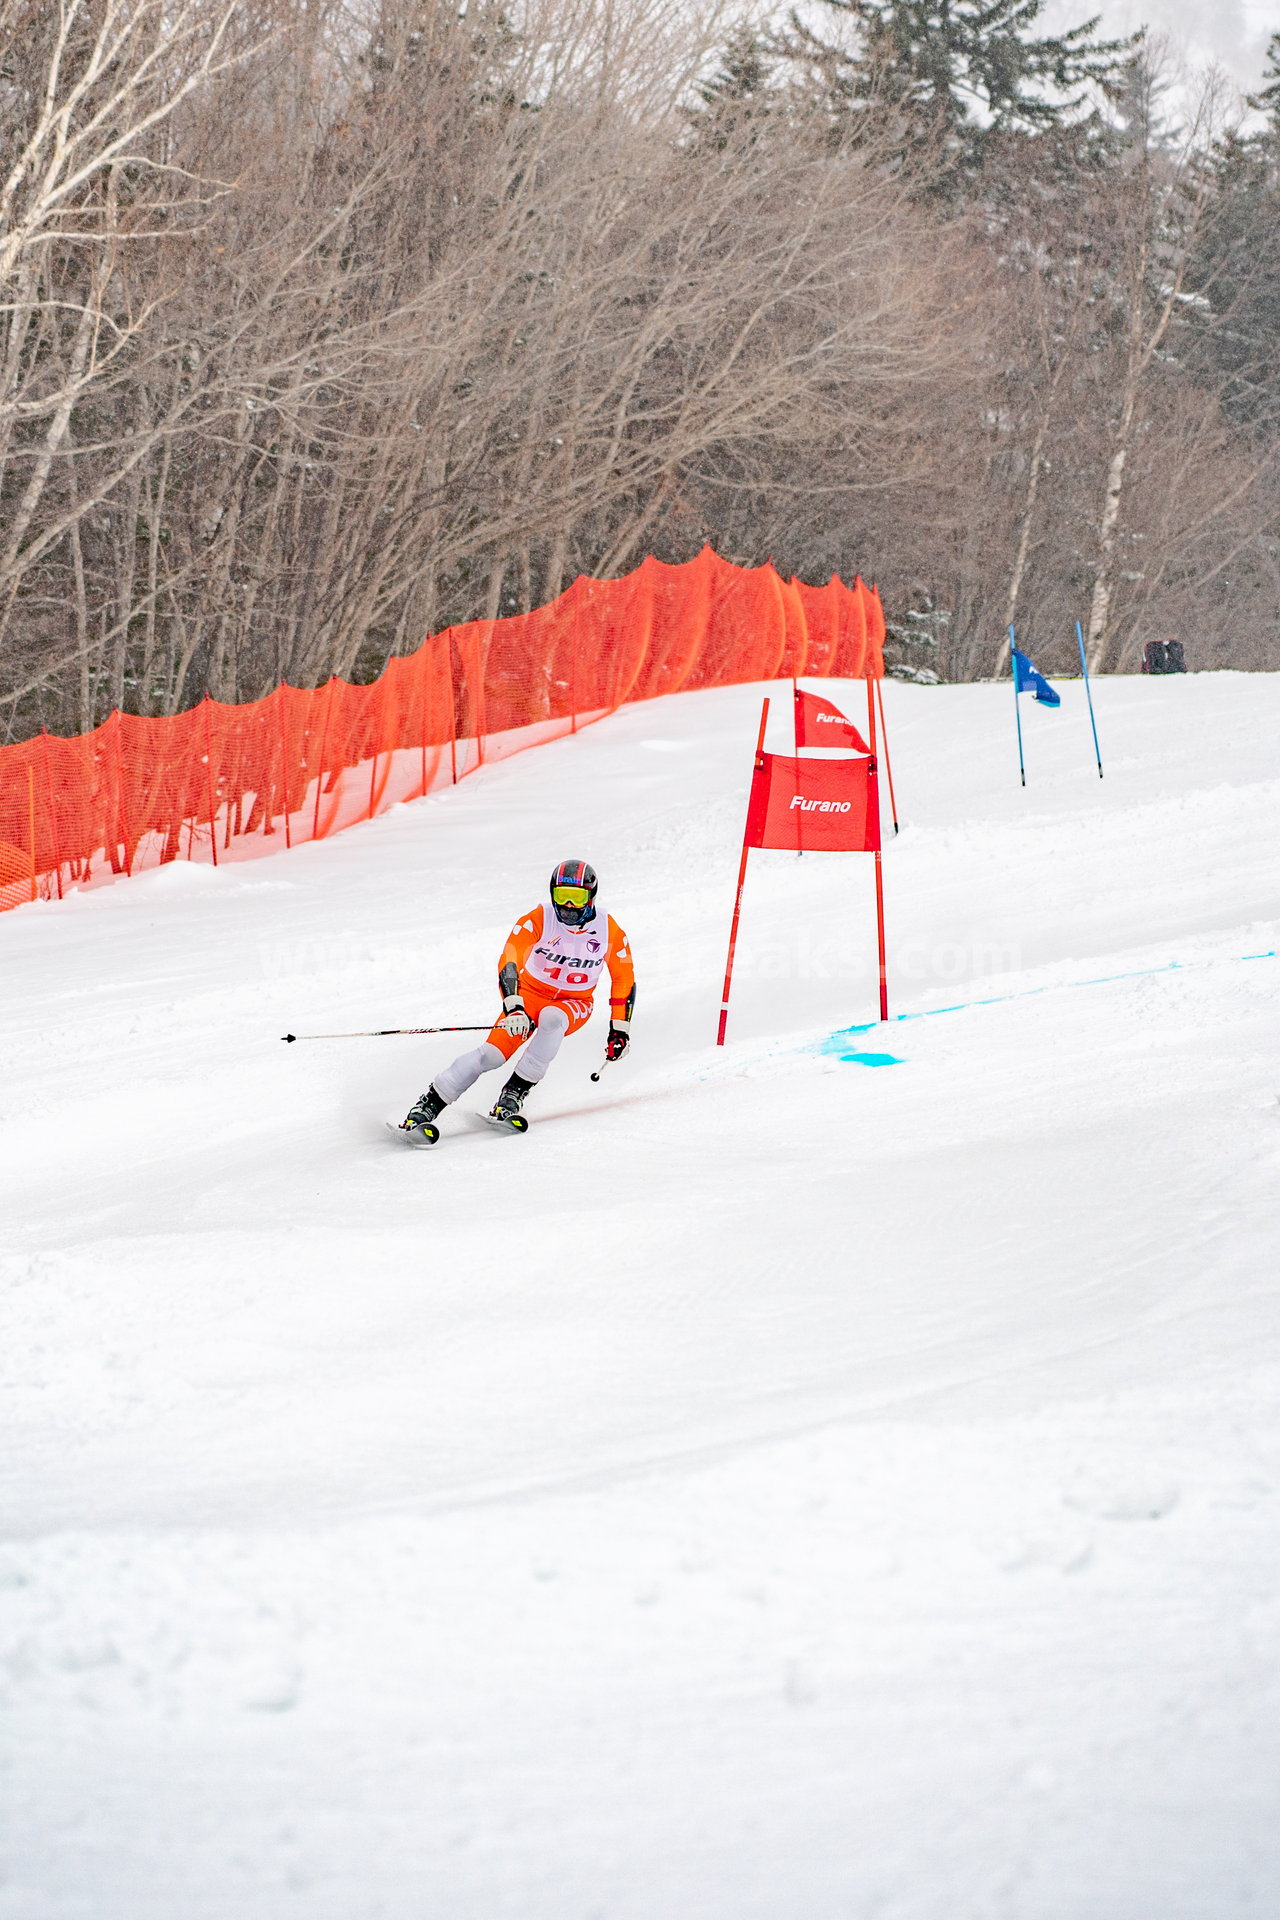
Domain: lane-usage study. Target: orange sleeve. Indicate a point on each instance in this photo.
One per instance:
(622, 974)
(520, 940)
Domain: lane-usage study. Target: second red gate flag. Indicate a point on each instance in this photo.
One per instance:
(819, 724)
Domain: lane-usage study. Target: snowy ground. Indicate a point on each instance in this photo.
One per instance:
(776, 1488)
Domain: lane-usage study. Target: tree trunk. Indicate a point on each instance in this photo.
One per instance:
(1028, 517)
(1100, 605)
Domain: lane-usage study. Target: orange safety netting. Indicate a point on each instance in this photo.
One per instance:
(222, 782)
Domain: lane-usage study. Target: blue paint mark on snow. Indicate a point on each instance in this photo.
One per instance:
(838, 1044)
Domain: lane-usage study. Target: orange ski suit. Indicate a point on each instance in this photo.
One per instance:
(551, 974)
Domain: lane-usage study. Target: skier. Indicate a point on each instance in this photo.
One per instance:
(548, 973)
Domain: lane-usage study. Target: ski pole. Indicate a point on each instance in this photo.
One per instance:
(381, 1033)
(606, 1062)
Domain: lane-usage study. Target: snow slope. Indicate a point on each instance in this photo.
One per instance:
(776, 1488)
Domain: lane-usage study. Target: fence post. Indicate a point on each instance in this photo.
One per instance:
(31, 825)
(120, 840)
(453, 724)
(208, 760)
(480, 704)
(424, 679)
(324, 748)
(377, 748)
(53, 811)
(573, 670)
(283, 731)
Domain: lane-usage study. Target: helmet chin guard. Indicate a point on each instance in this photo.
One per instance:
(573, 893)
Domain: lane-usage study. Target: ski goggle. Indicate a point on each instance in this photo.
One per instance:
(571, 896)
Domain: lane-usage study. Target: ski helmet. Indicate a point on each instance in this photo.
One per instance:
(573, 892)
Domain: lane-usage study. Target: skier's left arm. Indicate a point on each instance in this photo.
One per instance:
(622, 991)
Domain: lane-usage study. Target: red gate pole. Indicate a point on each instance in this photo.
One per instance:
(888, 764)
(884, 983)
(871, 736)
(795, 748)
(742, 874)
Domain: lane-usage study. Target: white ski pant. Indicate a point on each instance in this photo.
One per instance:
(539, 1052)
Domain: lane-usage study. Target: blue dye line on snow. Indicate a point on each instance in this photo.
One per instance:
(837, 1042)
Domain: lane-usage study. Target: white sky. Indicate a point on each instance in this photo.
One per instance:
(1232, 32)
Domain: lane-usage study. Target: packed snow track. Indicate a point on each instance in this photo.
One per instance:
(834, 1477)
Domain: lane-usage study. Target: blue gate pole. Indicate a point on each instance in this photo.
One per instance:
(1088, 694)
(1013, 665)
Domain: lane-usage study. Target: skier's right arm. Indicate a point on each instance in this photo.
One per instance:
(515, 1020)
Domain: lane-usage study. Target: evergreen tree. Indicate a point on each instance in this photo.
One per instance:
(962, 74)
(1239, 264)
(1267, 99)
(742, 94)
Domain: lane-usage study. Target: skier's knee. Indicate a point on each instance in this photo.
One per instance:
(466, 1070)
(553, 1024)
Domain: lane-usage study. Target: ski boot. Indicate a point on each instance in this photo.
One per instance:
(505, 1113)
(419, 1124)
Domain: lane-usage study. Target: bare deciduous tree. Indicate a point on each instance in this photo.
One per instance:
(325, 325)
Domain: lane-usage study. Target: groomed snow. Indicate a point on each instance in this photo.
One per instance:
(777, 1488)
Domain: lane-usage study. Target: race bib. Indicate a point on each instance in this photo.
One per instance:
(569, 960)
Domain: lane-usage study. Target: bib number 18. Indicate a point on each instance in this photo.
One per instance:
(574, 979)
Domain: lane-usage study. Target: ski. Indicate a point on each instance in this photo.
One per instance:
(423, 1136)
(502, 1123)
